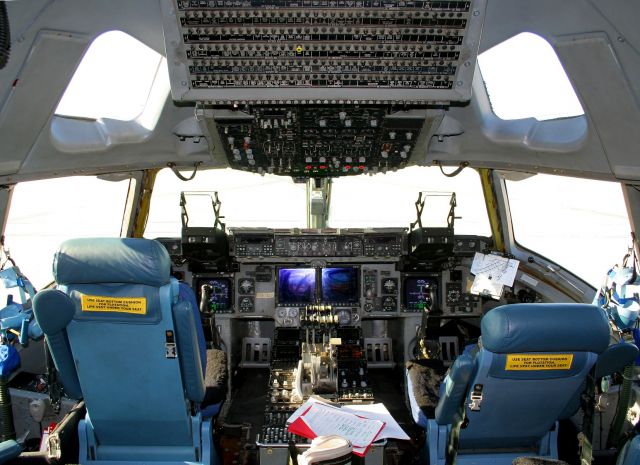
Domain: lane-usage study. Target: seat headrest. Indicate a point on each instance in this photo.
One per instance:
(112, 260)
(545, 328)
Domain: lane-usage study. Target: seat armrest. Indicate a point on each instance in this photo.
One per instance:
(450, 408)
(189, 352)
(615, 358)
(9, 450)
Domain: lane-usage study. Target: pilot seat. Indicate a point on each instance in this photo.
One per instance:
(503, 398)
(124, 341)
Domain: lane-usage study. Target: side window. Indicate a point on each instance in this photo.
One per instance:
(580, 224)
(45, 213)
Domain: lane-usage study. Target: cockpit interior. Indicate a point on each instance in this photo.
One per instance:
(262, 232)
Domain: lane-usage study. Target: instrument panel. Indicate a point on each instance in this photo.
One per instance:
(352, 275)
(318, 141)
(356, 243)
(226, 51)
(321, 88)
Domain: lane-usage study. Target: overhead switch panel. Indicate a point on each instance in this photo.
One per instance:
(322, 51)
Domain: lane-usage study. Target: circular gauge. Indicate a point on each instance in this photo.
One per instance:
(282, 312)
(390, 286)
(453, 296)
(389, 304)
(246, 286)
(344, 316)
(246, 304)
(293, 312)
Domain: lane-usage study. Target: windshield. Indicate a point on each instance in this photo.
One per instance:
(388, 200)
(383, 200)
(248, 200)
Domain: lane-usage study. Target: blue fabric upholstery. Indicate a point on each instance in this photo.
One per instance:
(208, 409)
(53, 311)
(112, 260)
(454, 389)
(186, 295)
(615, 358)
(136, 352)
(630, 454)
(9, 450)
(545, 328)
(520, 404)
(190, 361)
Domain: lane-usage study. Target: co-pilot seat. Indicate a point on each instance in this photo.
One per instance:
(122, 340)
(506, 398)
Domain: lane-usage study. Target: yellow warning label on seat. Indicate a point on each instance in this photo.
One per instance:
(539, 362)
(95, 303)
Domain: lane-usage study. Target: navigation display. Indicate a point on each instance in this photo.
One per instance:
(220, 294)
(419, 292)
(340, 285)
(296, 286)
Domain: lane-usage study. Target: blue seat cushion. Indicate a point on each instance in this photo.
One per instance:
(53, 311)
(526, 328)
(9, 449)
(189, 353)
(185, 294)
(454, 390)
(630, 454)
(112, 260)
(615, 358)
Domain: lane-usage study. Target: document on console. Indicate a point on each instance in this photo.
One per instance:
(326, 421)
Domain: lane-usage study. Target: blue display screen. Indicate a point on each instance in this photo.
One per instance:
(296, 285)
(340, 285)
(419, 292)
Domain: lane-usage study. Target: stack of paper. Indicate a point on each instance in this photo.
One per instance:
(492, 273)
(361, 424)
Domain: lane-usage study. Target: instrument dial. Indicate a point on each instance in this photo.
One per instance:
(246, 304)
(453, 296)
(389, 304)
(390, 286)
(246, 286)
(344, 316)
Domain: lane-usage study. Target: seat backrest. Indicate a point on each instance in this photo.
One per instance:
(133, 344)
(531, 364)
(630, 454)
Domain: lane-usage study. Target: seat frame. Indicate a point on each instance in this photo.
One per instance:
(442, 441)
(202, 434)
